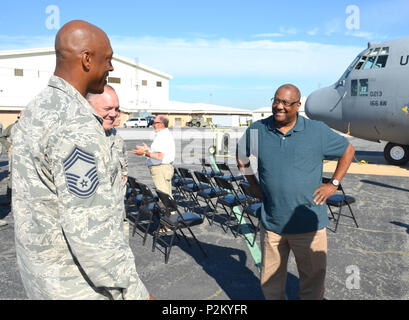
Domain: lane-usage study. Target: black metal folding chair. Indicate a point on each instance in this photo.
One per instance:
(231, 200)
(223, 167)
(339, 200)
(148, 207)
(252, 208)
(208, 192)
(190, 187)
(175, 222)
(133, 195)
(209, 173)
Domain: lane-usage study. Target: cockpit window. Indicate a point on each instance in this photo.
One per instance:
(381, 62)
(382, 58)
(384, 51)
(354, 88)
(360, 86)
(360, 62)
(363, 87)
(373, 58)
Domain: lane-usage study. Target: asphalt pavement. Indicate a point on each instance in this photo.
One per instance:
(370, 262)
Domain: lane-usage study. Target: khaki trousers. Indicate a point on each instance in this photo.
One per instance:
(310, 251)
(162, 177)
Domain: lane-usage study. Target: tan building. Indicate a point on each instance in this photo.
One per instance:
(180, 113)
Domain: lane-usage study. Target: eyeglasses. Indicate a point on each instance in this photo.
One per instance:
(156, 122)
(285, 103)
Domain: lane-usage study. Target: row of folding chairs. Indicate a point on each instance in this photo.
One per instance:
(162, 208)
(232, 190)
(217, 188)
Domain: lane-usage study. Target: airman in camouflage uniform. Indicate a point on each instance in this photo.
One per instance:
(120, 146)
(6, 139)
(106, 105)
(67, 201)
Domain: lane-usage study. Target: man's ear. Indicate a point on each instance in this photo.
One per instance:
(86, 60)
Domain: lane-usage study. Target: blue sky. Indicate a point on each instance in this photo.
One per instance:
(233, 53)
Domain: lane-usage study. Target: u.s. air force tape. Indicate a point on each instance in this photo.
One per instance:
(81, 173)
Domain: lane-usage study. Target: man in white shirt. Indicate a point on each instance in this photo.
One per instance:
(161, 155)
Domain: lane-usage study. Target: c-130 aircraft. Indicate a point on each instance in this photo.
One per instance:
(371, 99)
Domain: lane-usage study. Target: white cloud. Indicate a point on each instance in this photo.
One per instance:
(228, 58)
(25, 42)
(366, 35)
(313, 32)
(333, 26)
(221, 57)
(211, 87)
(288, 30)
(268, 35)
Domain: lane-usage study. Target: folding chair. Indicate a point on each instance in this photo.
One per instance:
(209, 173)
(208, 192)
(148, 207)
(230, 176)
(177, 182)
(252, 208)
(339, 200)
(175, 222)
(133, 195)
(190, 187)
(231, 200)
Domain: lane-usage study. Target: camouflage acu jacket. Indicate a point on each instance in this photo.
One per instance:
(67, 203)
(118, 144)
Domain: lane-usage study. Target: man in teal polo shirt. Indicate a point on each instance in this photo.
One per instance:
(290, 150)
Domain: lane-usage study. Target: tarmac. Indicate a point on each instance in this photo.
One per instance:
(366, 263)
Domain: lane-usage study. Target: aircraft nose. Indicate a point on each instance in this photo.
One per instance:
(325, 105)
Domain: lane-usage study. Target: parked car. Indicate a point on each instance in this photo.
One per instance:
(136, 123)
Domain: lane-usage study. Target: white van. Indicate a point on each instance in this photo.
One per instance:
(136, 123)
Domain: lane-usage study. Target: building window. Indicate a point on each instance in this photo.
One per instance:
(144, 82)
(158, 83)
(114, 80)
(18, 72)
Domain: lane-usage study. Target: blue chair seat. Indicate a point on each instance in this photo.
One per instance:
(189, 219)
(191, 187)
(253, 209)
(337, 200)
(231, 200)
(212, 193)
(233, 177)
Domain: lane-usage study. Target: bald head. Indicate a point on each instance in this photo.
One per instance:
(296, 92)
(84, 54)
(75, 37)
(161, 122)
(106, 105)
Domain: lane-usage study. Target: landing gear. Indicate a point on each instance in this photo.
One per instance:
(396, 154)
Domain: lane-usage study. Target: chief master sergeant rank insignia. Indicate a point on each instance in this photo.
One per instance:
(81, 173)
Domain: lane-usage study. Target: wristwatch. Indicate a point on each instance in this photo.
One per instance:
(335, 182)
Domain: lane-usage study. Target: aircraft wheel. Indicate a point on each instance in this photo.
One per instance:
(396, 154)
